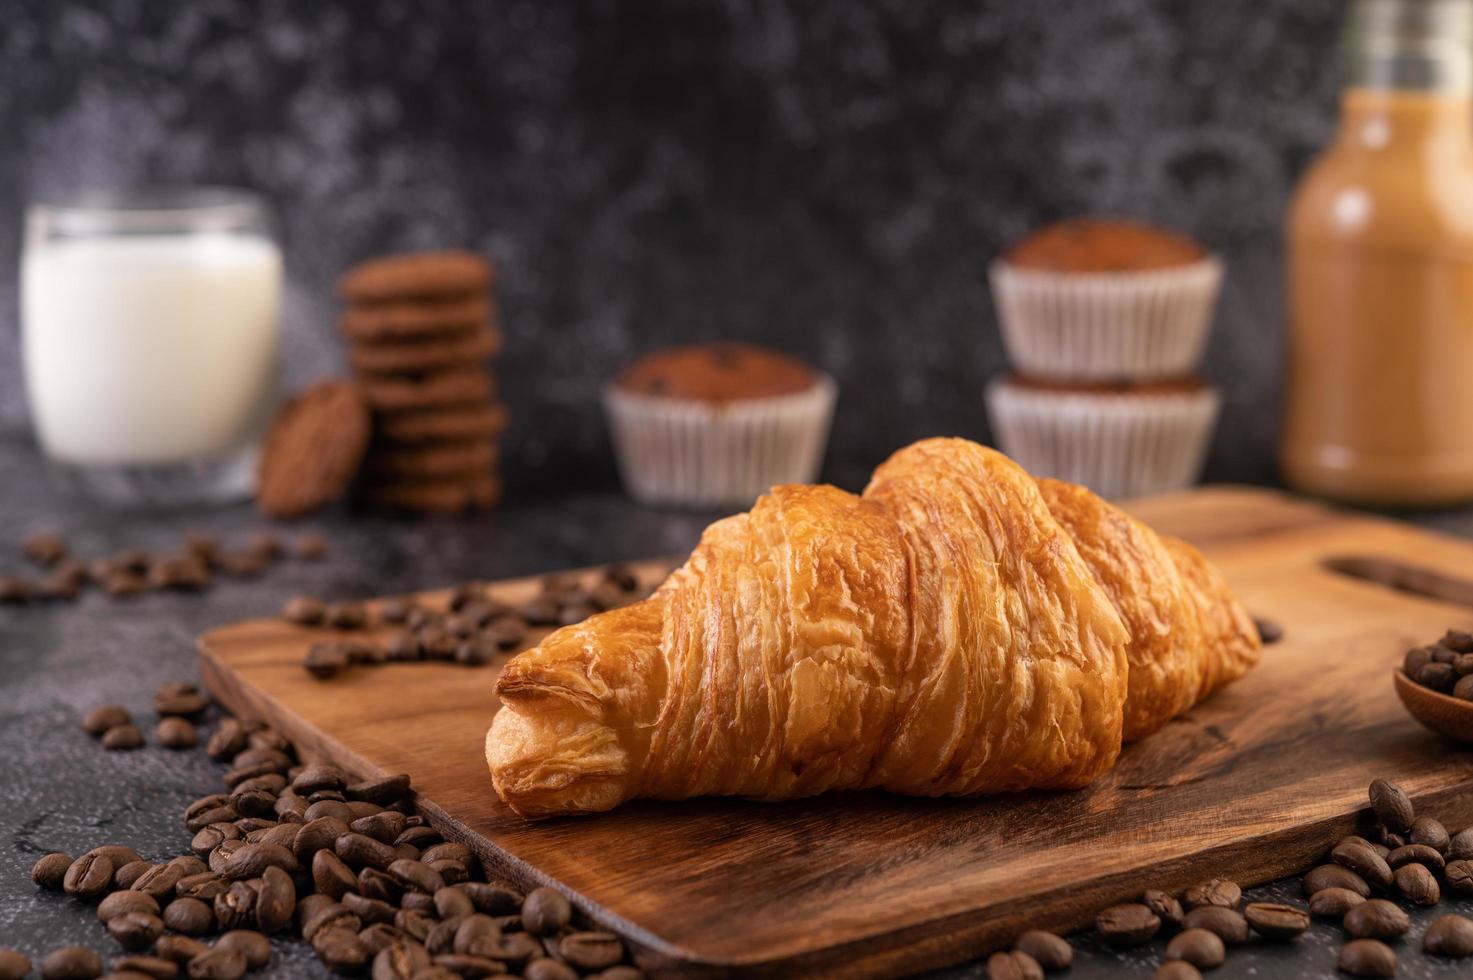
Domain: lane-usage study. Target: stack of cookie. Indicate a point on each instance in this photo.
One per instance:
(421, 328)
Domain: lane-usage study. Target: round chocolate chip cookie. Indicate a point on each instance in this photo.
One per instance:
(396, 277)
(416, 320)
(447, 424)
(313, 449)
(442, 389)
(426, 355)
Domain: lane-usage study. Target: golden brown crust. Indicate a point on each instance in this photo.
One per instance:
(946, 633)
(1103, 245)
(721, 372)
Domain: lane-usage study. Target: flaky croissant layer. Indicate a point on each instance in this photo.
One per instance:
(957, 629)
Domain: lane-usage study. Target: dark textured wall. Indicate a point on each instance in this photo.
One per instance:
(829, 176)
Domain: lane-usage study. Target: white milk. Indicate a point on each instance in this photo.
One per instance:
(149, 348)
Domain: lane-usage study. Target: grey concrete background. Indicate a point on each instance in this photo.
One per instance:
(831, 177)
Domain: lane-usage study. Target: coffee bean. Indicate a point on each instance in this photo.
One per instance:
(122, 738)
(1360, 857)
(1450, 936)
(251, 860)
(419, 837)
(1392, 805)
(334, 916)
(452, 903)
(159, 881)
(176, 733)
(45, 548)
(370, 910)
(1198, 947)
(544, 911)
(441, 937)
(1463, 666)
(506, 631)
(14, 965)
(400, 961)
(179, 949)
(1415, 659)
(203, 886)
(120, 903)
(88, 877)
(227, 741)
(384, 826)
(155, 967)
(304, 610)
(1459, 876)
(97, 721)
(346, 616)
(135, 930)
(340, 951)
(1333, 903)
(127, 876)
(1460, 846)
(235, 908)
(1164, 905)
(1218, 891)
(547, 968)
(373, 883)
(493, 899)
(1438, 676)
(318, 777)
(1415, 854)
(416, 876)
(1000, 966)
(473, 967)
(71, 963)
(477, 935)
(1367, 958)
(515, 949)
(331, 876)
(589, 951)
(475, 652)
(1463, 689)
(217, 964)
(325, 660)
(1377, 919)
(179, 698)
(49, 871)
(1417, 885)
(1273, 921)
(418, 902)
(189, 864)
(1429, 832)
(190, 916)
(1228, 924)
(1120, 925)
(1048, 950)
(276, 900)
(403, 647)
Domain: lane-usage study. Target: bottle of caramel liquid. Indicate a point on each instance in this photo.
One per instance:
(1379, 389)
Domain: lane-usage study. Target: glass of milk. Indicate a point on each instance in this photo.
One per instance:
(149, 324)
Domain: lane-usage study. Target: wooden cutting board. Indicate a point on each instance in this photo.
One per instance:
(1253, 784)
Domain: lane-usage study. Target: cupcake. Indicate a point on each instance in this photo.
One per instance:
(717, 424)
(1103, 299)
(1121, 440)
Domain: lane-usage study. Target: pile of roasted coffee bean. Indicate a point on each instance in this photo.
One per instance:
(194, 567)
(1445, 666)
(295, 846)
(472, 630)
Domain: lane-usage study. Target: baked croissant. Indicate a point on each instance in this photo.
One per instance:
(958, 629)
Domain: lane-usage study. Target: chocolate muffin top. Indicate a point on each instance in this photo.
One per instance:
(719, 372)
(1103, 245)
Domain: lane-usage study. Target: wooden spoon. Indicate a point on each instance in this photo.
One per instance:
(1443, 713)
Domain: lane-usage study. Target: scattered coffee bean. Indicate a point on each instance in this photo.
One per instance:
(134, 965)
(1333, 903)
(1334, 876)
(176, 733)
(253, 947)
(1273, 921)
(1358, 856)
(325, 660)
(1000, 966)
(122, 902)
(1377, 919)
(88, 877)
(1198, 947)
(310, 546)
(1450, 936)
(346, 616)
(179, 698)
(1417, 884)
(45, 548)
(179, 949)
(217, 964)
(1367, 958)
(71, 963)
(135, 930)
(190, 916)
(1048, 950)
(547, 968)
(304, 610)
(1218, 891)
(49, 871)
(159, 881)
(1415, 854)
(97, 721)
(340, 950)
(545, 911)
(591, 951)
(1228, 924)
(122, 738)
(1166, 907)
(1120, 925)
(1429, 832)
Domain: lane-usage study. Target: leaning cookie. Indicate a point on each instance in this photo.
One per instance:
(450, 424)
(313, 449)
(414, 274)
(426, 355)
(440, 389)
(416, 320)
(441, 496)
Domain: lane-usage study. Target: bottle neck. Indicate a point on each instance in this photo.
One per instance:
(1411, 45)
(1387, 119)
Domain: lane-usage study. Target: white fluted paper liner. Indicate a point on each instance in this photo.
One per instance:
(1118, 445)
(674, 451)
(1106, 325)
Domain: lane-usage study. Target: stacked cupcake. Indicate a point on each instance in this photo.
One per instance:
(421, 328)
(1105, 322)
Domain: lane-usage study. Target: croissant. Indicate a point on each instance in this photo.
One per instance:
(959, 628)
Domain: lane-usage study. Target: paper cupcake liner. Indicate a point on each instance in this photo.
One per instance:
(694, 454)
(1119, 445)
(1097, 326)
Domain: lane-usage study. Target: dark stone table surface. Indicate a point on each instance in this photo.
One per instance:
(62, 792)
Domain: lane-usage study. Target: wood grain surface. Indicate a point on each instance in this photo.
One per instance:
(1252, 784)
